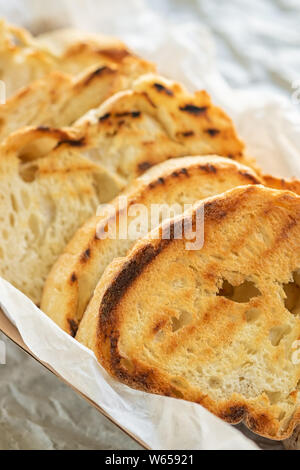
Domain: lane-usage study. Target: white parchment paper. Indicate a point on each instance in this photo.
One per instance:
(178, 40)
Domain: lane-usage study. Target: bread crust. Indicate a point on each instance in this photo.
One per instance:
(118, 354)
(283, 184)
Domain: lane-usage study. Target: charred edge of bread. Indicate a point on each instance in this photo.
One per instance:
(148, 379)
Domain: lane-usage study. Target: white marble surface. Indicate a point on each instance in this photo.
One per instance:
(257, 46)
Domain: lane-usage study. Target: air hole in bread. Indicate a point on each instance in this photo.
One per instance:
(215, 382)
(33, 224)
(240, 294)
(252, 315)
(292, 292)
(179, 322)
(277, 333)
(251, 352)
(11, 220)
(282, 415)
(38, 147)
(28, 172)
(274, 397)
(14, 203)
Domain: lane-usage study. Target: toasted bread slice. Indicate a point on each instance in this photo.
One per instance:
(59, 99)
(73, 278)
(44, 199)
(219, 326)
(154, 121)
(24, 58)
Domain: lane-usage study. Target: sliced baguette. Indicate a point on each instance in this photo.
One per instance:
(154, 121)
(216, 326)
(24, 58)
(74, 277)
(59, 99)
(114, 140)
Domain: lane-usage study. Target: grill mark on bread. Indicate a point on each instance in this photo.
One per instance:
(194, 110)
(104, 117)
(86, 255)
(144, 166)
(44, 129)
(185, 134)
(72, 142)
(127, 276)
(161, 88)
(212, 132)
(250, 177)
(217, 209)
(182, 171)
(209, 168)
(134, 114)
(98, 72)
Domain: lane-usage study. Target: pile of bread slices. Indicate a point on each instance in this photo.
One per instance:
(87, 122)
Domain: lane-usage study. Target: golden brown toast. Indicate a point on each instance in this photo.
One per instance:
(60, 99)
(154, 121)
(219, 326)
(24, 58)
(73, 278)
